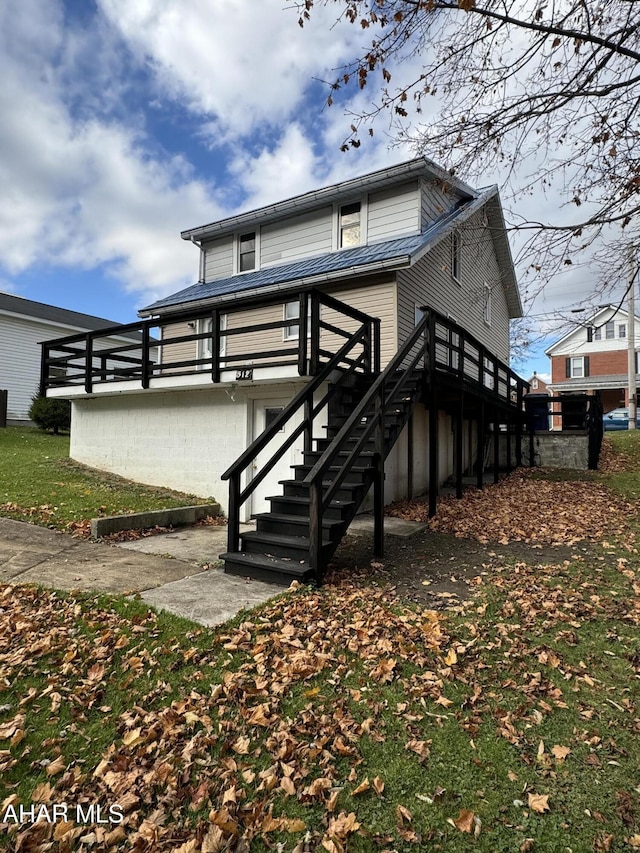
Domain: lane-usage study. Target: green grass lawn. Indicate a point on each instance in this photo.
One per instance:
(39, 483)
(337, 719)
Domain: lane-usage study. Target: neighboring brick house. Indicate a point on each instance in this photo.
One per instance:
(593, 358)
(537, 385)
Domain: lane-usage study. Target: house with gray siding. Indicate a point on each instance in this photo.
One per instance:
(24, 325)
(373, 310)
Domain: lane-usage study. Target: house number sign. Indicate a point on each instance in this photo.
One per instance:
(244, 373)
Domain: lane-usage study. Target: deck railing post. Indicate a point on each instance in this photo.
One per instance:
(215, 345)
(44, 369)
(303, 335)
(519, 403)
(233, 524)
(308, 423)
(375, 330)
(146, 361)
(88, 363)
(315, 335)
(458, 440)
(496, 444)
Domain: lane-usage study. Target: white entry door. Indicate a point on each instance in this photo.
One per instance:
(264, 414)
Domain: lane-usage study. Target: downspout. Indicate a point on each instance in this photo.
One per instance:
(201, 262)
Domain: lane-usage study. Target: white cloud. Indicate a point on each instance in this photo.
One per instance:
(84, 191)
(239, 63)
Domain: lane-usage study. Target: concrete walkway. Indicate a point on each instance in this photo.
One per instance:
(175, 571)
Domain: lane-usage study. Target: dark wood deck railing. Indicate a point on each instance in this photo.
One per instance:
(568, 413)
(155, 349)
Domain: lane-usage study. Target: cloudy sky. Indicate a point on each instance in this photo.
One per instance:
(127, 121)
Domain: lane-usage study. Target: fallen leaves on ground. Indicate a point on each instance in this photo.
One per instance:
(523, 508)
(153, 765)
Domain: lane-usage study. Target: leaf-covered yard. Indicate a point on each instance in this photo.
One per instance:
(341, 718)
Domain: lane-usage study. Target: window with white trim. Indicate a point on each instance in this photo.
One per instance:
(349, 226)
(577, 367)
(247, 252)
(486, 304)
(597, 334)
(205, 327)
(622, 330)
(292, 312)
(609, 330)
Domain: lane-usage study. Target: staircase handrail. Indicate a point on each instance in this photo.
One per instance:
(357, 414)
(237, 497)
(374, 397)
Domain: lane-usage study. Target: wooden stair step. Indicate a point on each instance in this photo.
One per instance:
(272, 543)
(331, 526)
(262, 567)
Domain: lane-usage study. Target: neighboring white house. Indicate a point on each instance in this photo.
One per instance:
(593, 358)
(24, 325)
(280, 290)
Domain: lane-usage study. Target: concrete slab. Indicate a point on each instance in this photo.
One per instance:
(210, 598)
(31, 554)
(198, 545)
(362, 525)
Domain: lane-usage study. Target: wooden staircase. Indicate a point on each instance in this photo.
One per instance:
(366, 412)
(279, 549)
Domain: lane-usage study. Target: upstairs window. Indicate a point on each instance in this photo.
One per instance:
(456, 245)
(487, 304)
(609, 330)
(350, 225)
(622, 330)
(597, 334)
(247, 252)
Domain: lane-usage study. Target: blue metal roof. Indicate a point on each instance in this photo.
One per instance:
(400, 249)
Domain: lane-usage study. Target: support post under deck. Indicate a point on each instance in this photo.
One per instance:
(481, 437)
(433, 451)
(458, 447)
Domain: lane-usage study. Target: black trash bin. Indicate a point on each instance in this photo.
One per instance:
(4, 396)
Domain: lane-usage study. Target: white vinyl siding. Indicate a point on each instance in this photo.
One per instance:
(394, 213)
(435, 199)
(20, 357)
(300, 237)
(376, 300)
(218, 260)
(429, 283)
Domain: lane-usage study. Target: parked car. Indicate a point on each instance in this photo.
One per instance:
(618, 419)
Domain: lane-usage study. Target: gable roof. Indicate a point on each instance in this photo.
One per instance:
(420, 167)
(356, 261)
(19, 306)
(594, 320)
